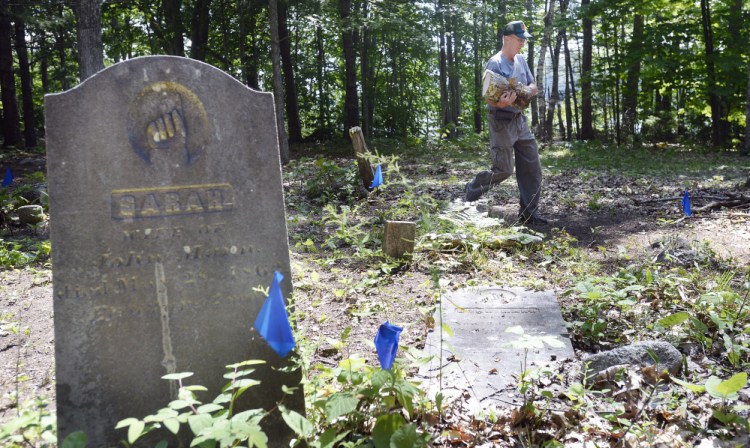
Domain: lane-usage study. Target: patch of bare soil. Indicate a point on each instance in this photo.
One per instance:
(27, 342)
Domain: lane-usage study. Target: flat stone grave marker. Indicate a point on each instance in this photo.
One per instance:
(478, 357)
(166, 212)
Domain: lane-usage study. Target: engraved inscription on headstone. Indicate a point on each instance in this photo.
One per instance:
(166, 211)
(480, 357)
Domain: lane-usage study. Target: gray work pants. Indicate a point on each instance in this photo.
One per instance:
(511, 138)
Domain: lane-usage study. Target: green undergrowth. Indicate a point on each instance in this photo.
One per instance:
(652, 160)
(23, 244)
(610, 296)
(675, 291)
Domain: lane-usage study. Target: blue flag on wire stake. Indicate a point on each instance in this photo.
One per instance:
(8, 179)
(273, 322)
(386, 344)
(686, 204)
(378, 180)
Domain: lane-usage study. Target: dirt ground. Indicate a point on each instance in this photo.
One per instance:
(631, 221)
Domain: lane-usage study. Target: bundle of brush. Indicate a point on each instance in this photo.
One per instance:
(495, 85)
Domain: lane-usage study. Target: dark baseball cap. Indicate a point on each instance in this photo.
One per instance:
(517, 28)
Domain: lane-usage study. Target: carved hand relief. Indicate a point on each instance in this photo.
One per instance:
(168, 122)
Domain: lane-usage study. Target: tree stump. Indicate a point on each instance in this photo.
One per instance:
(360, 150)
(398, 238)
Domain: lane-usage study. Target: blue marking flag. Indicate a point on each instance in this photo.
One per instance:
(686, 204)
(378, 180)
(386, 344)
(8, 179)
(273, 322)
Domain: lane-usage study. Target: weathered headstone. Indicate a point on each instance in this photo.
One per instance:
(480, 357)
(166, 211)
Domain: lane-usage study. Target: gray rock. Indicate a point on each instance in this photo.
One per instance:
(495, 212)
(30, 214)
(37, 195)
(636, 354)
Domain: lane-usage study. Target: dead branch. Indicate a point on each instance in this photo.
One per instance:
(739, 201)
(678, 198)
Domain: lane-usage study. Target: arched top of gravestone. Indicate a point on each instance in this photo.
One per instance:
(164, 105)
(169, 66)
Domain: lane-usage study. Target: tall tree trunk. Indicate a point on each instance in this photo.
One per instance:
(630, 95)
(454, 90)
(24, 72)
(250, 62)
(44, 67)
(223, 26)
(174, 42)
(587, 119)
(278, 82)
(502, 19)
(243, 19)
(351, 101)
(616, 97)
(531, 43)
(61, 46)
(292, 106)
(368, 74)
(478, 103)
(554, 97)
(570, 110)
(746, 148)
(443, 67)
(199, 30)
(89, 33)
(568, 105)
(11, 126)
(713, 97)
(573, 93)
(736, 43)
(322, 91)
(540, 71)
(456, 74)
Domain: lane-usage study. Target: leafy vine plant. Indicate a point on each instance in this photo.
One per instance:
(371, 406)
(213, 423)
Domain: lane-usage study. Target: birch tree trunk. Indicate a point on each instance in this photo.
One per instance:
(554, 97)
